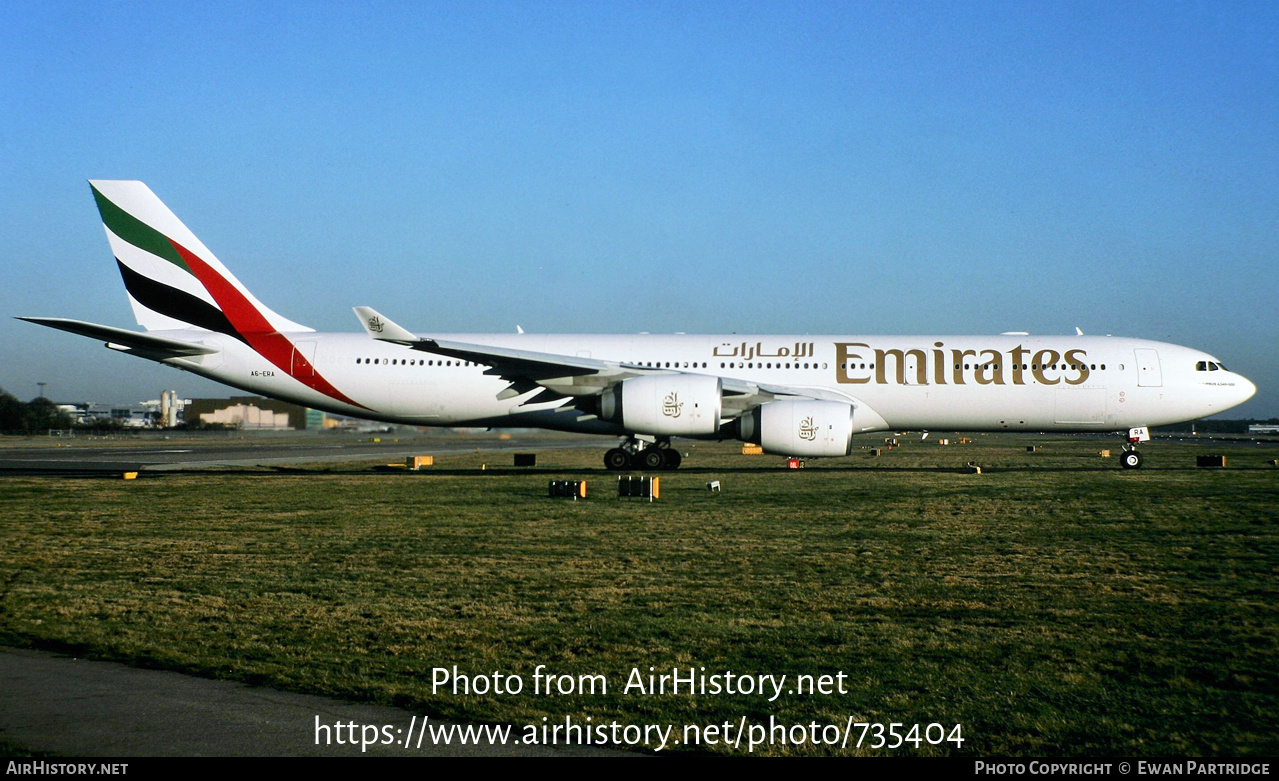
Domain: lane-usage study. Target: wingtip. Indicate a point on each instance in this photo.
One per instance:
(381, 327)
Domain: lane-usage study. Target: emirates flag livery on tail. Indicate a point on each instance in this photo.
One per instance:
(802, 396)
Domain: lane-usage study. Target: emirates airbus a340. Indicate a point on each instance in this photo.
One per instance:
(800, 396)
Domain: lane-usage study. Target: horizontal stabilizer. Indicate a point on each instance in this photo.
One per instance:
(120, 337)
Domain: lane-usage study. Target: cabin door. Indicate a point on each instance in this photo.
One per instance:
(1148, 373)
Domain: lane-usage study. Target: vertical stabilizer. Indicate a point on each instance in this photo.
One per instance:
(173, 280)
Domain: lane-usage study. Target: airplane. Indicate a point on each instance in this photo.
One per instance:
(798, 396)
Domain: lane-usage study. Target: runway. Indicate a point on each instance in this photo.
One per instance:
(181, 452)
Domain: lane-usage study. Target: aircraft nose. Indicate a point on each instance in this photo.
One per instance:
(1246, 389)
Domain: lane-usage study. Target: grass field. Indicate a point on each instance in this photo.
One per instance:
(1053, 605)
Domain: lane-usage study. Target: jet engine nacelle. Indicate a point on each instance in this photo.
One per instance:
(665, 404)
(800, 428)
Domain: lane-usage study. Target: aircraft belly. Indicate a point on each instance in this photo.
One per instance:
(992, 408)
(417, 398)
(1083, 406)
(1158, 406)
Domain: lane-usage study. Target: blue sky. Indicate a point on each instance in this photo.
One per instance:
(618, 167)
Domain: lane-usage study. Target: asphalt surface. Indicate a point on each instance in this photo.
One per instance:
(179, 453)
(76, 707)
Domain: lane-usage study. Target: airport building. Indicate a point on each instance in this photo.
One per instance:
(164, 412)
(247, 412)
(170, 411)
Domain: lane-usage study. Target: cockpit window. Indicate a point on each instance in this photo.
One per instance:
(1209, 366)
(1202, 366)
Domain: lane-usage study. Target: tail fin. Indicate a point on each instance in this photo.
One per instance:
(172, 279)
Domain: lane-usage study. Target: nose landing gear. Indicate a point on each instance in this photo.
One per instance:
(1131, 459)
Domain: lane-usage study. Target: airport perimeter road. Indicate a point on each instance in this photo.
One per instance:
(177, 454)
(77, 707)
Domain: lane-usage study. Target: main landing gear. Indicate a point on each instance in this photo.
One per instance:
(638, 454)
(1130, 458)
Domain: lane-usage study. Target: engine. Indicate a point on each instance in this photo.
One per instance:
(800, 428)
(664, 404)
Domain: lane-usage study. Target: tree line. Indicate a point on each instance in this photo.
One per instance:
(37, 415)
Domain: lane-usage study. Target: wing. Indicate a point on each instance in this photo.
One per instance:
(561, 376)
(156, 348)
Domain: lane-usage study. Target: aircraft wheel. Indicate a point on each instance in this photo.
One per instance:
(1131, 459)
(617, 460)
(672, 458)
(651, 458)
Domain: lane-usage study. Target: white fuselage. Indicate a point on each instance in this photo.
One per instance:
(975, 383)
